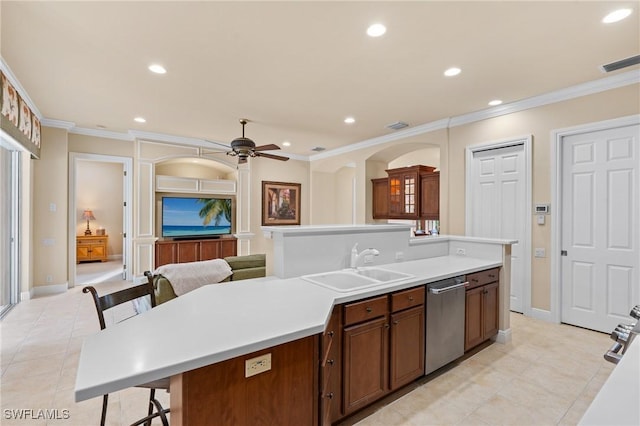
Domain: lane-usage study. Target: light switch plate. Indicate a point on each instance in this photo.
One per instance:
(540, 252)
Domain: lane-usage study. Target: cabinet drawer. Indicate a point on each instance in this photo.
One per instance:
(483, 277)
(364, 310)
(407, 299)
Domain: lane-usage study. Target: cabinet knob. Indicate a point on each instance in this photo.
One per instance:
(475, 280)
(368, 309)
(329, 395)
(395, 323)
(410, 298)
(330, 334)
(387, 326)
(491, 276)
(330, 361)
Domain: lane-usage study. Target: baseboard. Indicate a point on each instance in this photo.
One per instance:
(503, 336)
(114, 257)
(45, 290)
(541, 314)
(26, 295)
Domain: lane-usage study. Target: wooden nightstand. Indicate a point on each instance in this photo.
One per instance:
(90, 248)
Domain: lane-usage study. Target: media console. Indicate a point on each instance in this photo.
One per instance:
(182, 251)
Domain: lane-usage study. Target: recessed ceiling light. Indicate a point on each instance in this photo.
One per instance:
(157, 68)
(140, 120)
(349, 120)
(616, 15)
(376, 30)
(452, 71)
(495, 102)
(286, 143)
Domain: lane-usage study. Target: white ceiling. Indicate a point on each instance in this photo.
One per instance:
(297, 69)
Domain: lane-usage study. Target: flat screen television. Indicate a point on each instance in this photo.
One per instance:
(191, 217)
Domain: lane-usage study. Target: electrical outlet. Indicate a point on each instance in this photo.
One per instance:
(49, 278)
(368, 258)
(461, 252)
(257, 365)
(540, 252)
(399, 255)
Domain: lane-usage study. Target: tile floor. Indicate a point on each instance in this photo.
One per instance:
(548, 374)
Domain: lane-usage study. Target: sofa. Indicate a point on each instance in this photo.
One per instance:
(243, 267)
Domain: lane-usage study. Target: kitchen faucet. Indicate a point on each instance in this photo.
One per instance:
(355, 257)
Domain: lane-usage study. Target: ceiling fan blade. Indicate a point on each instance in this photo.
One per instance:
(273, 157)
(270, 147)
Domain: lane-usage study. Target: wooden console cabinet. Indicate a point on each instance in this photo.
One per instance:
(481, 307)
(183, 251)
(90, 248)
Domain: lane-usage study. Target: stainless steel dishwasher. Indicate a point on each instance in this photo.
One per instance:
(444, 322)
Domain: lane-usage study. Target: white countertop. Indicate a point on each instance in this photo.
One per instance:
(617, 402)
(219, 322)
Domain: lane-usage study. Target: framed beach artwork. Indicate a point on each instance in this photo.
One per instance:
(35, 131)
(280, 203)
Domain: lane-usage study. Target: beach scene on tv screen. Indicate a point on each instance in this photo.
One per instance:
(195, 216)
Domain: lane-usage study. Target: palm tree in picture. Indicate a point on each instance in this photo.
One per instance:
(215, 209)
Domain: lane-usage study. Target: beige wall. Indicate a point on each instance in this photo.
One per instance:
(539, 122)
(263, 169)
(49, 243)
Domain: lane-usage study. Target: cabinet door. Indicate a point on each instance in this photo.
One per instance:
(473, 318)
(366, 363)
(188, 251)
(395, 196)
(407, 346)
(166, 253)
(228, 248)
(82, 253)
(209, 250)
(380, 195)
(98, 251)
(490, 310)
(430, 196)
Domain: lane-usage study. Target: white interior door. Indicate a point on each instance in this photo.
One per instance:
(498, 207)
(600, 227)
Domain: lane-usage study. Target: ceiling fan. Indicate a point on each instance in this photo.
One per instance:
(244, 148)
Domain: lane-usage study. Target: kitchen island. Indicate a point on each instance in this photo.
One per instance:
(215, 329)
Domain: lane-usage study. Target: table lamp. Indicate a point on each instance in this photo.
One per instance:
(88, 215)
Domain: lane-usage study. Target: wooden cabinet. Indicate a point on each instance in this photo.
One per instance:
(366, 363)
(430, 195)
(407, 349)
(481, 308)
(193, 250)
(383, 346)
(90, 248)
(407, 193)
(380, 195)
(331, 370)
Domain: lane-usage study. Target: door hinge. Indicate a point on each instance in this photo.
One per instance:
(563, 252)
(125, 172)
(124, 204)
(124, 235)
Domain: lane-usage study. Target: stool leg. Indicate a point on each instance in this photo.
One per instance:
(152, 396)
(103, 418)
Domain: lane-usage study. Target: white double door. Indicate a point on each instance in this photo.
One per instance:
(600, 232)
(498, 208)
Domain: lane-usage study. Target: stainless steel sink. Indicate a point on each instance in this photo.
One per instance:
(355, 279)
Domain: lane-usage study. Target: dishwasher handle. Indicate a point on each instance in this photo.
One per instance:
(447, 289)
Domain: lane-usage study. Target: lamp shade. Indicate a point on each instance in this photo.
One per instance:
(88, 215)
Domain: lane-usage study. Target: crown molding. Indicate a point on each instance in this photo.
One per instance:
(101, 133)
(21, 90)
(180, 140)
(400, 134)
(571, 92)
(59, 124)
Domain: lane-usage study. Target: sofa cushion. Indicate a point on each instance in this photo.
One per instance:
(246, 261)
